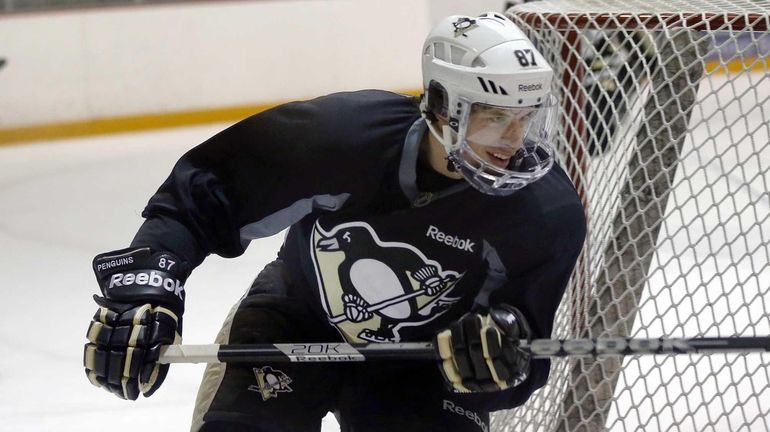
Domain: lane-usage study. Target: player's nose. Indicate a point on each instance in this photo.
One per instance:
(512, 135)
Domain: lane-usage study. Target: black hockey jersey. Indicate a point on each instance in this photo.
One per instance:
(379, 258)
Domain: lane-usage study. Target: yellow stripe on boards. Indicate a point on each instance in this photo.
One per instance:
(135, 123)
(737, 66)
(125, 124)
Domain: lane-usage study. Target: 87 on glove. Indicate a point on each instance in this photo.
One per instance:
(140, 311)
(480, 352)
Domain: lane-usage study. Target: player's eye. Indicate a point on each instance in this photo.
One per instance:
(496, 117)
(526, 115)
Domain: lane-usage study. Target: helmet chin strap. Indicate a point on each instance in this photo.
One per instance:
(446, 141)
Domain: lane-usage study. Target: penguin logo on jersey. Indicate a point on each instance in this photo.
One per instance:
(372, 289)
(270, 382)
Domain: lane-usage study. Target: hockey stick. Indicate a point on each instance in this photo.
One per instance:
(539, 348)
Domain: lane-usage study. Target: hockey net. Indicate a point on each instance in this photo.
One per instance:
(665, 131)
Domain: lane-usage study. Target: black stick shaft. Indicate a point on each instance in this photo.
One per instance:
(539, 348)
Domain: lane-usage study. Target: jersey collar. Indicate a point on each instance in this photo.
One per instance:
(407, 172)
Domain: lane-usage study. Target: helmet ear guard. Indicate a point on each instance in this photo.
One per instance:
(436, 102)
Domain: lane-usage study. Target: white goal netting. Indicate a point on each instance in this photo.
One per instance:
(665, 130)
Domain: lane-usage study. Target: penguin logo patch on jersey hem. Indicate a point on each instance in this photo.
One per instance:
(270, 382)
(371, 289)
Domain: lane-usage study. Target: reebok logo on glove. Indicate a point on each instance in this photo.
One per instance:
(152, 279)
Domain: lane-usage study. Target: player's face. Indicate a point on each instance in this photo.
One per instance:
(496, 134)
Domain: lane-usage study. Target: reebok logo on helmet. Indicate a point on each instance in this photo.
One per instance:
(530, 87)
(152, 279)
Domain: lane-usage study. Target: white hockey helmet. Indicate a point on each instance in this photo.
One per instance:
(487, 100)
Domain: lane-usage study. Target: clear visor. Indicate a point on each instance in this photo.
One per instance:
(502, 149)
(499, 127)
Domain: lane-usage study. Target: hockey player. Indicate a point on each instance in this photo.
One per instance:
(438, 218)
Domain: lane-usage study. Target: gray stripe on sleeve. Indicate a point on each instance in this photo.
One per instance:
(407, 172)
(282, 219)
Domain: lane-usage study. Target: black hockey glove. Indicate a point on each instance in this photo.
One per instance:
(480, 352)
(141, 310)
